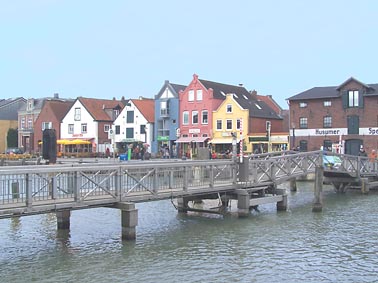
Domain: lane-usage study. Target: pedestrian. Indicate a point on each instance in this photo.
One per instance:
(373, 159)
(362, 153)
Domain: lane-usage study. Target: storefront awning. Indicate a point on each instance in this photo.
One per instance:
(191, 139)
(222, 141)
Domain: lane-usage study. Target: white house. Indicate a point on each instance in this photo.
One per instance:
(134, 125)
(88, 121)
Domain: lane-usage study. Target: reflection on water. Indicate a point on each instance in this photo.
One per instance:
(336, 245)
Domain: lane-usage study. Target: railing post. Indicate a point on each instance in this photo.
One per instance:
(77, 185)
(117, 184)
(318, 189)
(29, 191)
(186, 178)
(155, 181)
(211, 176)
(54, 190)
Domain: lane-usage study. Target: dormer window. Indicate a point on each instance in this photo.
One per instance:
(229, 108)
(353, 100)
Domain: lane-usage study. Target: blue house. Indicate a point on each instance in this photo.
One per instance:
(167, 120)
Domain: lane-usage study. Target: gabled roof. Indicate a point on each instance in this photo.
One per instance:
(257, 108)
(59, 107)
(220, 90)
(97, 107)
(268, 99)
(332, 91)
(174, 88)
(146, 106)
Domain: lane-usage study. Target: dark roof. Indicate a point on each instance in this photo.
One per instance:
(9, 108)
(332, 91)
(178, 87)
(220, 90)
(175, 88)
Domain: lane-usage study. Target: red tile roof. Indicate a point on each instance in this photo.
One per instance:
(97, 107)
(146, 106)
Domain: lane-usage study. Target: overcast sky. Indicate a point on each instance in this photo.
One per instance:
(106, 49)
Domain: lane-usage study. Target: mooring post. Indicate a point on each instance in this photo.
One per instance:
(63, 219)
(282, 205)
(365, 185)
(182, 204)
(129, 220)
(318, 189)
(293, 185)
(243, 202)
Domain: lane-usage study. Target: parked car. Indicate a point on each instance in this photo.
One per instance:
(14, 150)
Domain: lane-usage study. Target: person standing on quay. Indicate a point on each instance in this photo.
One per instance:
(373, 159)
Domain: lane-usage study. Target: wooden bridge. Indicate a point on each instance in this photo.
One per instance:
(60, 188)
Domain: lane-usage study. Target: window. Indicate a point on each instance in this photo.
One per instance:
(191, 95)
(70, 128)
(238, 124)
(23, 123)
(229, 108)
(302, 104)
(30, 123)
(199, 94)
(117, 130)
(229, 124)
(185, 118)
(116, 113)
(84, 128)
(327, 103)
(258, 106)
(204, 116)
(194, 117)
(77, 115)
(219, 124)
(130, 117)
(353, 98)
(303, 123)
(327, 122)
(46, 125)
(129, 133)
(106, 128)
(163, 108)
(143, 129)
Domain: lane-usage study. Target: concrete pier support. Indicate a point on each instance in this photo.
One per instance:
(365, 185)
(293, 185)
(243, 203)
(129, 220)
(318, 190)
(282, 205)
(63, 219)
(182, 204)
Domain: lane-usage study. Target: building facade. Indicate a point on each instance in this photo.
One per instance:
(167, 118)
(340, 118)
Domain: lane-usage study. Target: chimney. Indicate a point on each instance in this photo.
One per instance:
(241, 85)
(56, 95)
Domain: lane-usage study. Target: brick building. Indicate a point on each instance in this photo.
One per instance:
(340, 118)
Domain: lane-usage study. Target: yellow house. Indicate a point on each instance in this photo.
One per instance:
(229, 119)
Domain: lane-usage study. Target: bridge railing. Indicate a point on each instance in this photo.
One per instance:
(45, 184)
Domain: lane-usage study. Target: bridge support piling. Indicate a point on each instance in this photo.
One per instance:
(365, 185)
(282, 205)
(63, 219)
(318, 189)
(293, 185)
(129, 220)
(182, 205)
(243, 203)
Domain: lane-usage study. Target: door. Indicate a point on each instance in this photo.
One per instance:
(352, 146)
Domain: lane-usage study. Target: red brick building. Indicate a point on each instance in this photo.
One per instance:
(342, 118)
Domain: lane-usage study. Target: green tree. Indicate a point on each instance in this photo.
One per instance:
(12, 138)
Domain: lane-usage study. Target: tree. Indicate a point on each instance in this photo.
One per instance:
(12, 138)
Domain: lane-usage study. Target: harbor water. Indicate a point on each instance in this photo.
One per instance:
(339, 244)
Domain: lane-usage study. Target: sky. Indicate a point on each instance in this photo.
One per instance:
(106, 49)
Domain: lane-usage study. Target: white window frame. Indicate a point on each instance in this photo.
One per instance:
(195, 114)
(327, 103)
(227, 124)
(219, 122)
(71, 128)
(203, 117)
(185, 118)
(229, 108)
(191, 95)
(199, 94)
(106, 128)
(84, 128)
(77, 115)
